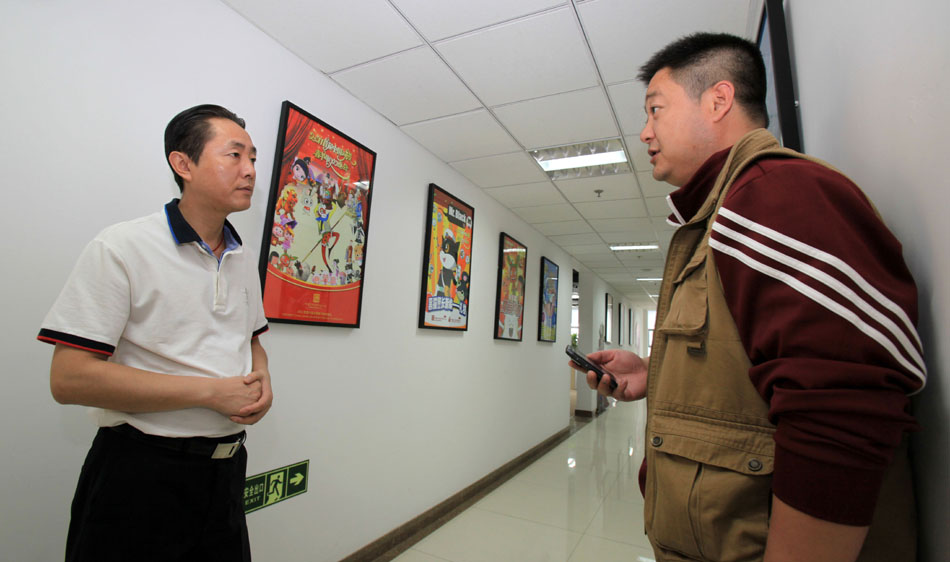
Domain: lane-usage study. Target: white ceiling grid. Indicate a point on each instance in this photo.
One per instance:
(481, 83)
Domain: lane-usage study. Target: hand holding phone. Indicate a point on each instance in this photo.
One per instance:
(588, 365)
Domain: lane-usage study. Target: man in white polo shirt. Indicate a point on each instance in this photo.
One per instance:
(157, 329)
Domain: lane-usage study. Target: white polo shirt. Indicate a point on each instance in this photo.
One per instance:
(150, 294)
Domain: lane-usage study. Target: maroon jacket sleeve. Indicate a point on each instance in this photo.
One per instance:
(826, 309)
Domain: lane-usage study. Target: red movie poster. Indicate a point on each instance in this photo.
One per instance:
(314, 249)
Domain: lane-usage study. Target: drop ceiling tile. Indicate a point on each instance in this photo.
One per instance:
(617, 278)
(618, 209)
(620, 53)
(652, 187)
(627, 99)
(597, 261)
(612, 270)
(591, 250)
(658, 207)
(639, 226)
(547, 213)
(642, 236)
(526, 195)
(563, 228)
(648, 273)
(483, 136)
(324, 35)
(639, 154)
(569, 239)
(664, 237)
(445, 18)
(504, 169)
(408, 87)
(567, 118)
(618, 186)
(528, 58)
(652, 259)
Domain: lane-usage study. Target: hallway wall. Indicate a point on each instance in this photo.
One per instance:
(873, 80)
(393, 419)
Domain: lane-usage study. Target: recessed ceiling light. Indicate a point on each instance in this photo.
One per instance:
(589, 159)
(633, 247)
(649, 278)
(583, 161)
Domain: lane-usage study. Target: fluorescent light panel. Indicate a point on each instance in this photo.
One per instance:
(629, 247)
(585, 161)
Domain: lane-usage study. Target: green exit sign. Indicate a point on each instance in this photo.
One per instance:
(266, 489)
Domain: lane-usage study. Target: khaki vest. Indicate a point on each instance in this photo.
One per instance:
(710, 450)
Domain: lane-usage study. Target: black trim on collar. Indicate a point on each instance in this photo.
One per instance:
(182, 231)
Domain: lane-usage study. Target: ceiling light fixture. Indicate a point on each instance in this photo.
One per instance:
(649, 278)
(633, 247)
(572, 162)
(589, 159)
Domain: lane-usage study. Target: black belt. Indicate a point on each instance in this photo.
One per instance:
(209, 447)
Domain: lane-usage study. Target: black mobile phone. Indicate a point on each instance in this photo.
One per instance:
(589, 365)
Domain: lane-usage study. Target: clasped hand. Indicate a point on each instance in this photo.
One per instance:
(245, 399)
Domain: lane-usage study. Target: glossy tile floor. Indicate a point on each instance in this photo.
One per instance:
(578, 503)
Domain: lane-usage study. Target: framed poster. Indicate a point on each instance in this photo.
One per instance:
(313, 255)
(629, 326)
(621, 322)
(547, 301)
(447, 262)
(509, 296)
(780, 100)
(608, 318)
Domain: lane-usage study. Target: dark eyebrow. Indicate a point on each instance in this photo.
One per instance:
(646, 99)
(242, 146)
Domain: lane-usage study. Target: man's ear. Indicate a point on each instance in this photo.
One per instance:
(721, 97)
(182, 164)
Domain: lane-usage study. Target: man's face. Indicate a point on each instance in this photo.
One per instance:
(676, 130)
(223, 179)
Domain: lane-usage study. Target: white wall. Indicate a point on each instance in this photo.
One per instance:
(873, 80)
(392, 418)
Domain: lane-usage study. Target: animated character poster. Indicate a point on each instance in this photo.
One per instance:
(509, 301)
(447, 263)
(313, 256)
(547, 307)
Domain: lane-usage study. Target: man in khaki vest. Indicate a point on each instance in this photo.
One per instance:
(785, 346)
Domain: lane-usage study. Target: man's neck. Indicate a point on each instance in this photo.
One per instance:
(208, 224)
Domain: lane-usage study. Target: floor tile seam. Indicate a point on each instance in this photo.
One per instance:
(647, 549)
(599, 509)
(566, 487)
(627, 542)
(539, 486)
(543, 524)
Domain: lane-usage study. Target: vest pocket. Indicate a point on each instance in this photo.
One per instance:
(711, 501)
(688, 306)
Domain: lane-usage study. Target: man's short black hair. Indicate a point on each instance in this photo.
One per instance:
(700, 60)
(189, 131)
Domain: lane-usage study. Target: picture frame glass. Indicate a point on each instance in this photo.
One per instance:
(446, 262)
(509, 299)
(313, 252)
(547, 301)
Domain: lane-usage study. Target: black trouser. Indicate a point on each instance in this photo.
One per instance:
(138, 501)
